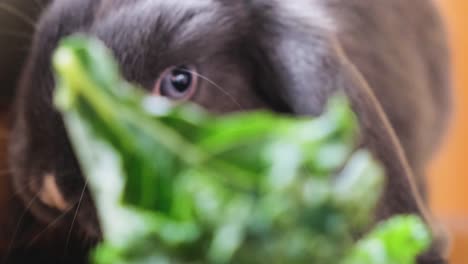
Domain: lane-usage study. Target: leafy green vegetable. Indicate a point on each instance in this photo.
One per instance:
(175, 184)
(398, 240)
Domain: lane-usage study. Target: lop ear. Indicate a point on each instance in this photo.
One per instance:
(295, 53)
(301, 64)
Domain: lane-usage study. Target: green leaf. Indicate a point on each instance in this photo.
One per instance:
(176, 184)
(397, 241)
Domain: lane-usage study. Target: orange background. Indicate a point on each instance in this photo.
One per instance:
(448, 175)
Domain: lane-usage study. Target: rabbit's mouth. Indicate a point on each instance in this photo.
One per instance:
(51, 203)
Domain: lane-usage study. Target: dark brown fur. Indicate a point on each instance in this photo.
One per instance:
(390, 57)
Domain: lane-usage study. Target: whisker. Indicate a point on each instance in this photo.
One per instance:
(18, 225)
(50, 225)
(233, 99)
(13, 11)
(17, 191)
(74, 217)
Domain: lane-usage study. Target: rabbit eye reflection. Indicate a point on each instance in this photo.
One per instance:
(177, 83)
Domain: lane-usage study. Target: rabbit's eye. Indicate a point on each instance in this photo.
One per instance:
(178, 83)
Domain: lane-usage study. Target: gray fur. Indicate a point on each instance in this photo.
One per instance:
(389, 56)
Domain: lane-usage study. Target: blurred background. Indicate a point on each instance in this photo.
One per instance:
(448, 175)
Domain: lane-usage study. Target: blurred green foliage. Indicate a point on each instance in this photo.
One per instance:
(175, 184)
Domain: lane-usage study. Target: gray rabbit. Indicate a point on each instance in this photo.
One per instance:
(389, 56)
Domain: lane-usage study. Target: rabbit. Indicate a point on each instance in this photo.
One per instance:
(390, 58)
